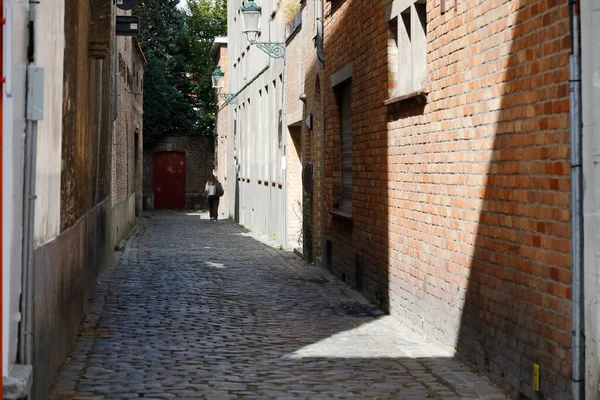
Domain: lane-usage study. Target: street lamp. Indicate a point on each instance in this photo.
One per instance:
(218, 78)
(251, 27)
(251, 20)
(218, 82)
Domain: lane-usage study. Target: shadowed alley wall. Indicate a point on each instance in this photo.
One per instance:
(460, 219)
(72, 239)
(127, 147)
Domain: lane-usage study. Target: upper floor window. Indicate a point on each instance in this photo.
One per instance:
(408, 46)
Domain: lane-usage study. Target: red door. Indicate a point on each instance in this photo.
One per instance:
(169, 180)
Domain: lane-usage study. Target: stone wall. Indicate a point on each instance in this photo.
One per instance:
(199, 164)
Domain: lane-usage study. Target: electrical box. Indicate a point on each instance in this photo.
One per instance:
(35, 93)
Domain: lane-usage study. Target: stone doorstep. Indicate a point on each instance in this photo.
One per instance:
(18, 382)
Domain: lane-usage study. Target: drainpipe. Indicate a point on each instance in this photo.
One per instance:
(34, 113)
(578, 345)
(320, 53)
(116, 80)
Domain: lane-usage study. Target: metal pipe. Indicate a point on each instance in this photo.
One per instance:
(578, 379)
(116, 80)
(284, 132)
(320, 53)
(26, 339)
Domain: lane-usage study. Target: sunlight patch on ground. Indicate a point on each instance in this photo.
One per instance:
(382, 338)
(214, 264)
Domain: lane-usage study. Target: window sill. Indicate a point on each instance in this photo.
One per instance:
(341, 214)
(419, 95)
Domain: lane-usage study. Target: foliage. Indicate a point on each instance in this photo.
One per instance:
(177, 76)
(290, 8)
(206, 19)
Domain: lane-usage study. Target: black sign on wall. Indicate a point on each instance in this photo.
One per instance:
(128, 25)
(127, 4)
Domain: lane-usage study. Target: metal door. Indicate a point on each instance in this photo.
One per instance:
(169, 180)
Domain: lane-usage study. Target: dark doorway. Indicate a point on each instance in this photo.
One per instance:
(169, 180)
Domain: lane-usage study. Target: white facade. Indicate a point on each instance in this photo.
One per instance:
(49, 54)
(13, 131)
(590, 14)
(256, 141)
(50, 45)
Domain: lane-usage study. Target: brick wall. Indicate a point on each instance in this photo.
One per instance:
(461, 203)
(127, 137)
(199, 163)
(222, 127)
(304, 145)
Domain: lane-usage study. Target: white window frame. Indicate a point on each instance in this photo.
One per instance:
(408, 26)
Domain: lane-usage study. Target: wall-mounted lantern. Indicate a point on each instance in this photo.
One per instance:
(218, 82)
(218, 78)
(251, 20)
(251, 13)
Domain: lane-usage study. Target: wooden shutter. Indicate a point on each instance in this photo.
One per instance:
(346, 151)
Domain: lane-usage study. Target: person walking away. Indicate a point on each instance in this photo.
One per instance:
(213, 190)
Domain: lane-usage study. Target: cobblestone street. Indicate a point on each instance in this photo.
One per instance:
(192, 309)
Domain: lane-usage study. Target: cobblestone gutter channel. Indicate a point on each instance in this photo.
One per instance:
(191, 309)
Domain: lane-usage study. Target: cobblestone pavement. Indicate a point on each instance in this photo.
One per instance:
(192, 309)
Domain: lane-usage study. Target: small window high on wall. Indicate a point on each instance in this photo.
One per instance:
(407, 47)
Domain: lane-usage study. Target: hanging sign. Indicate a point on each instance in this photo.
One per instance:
(128, 25)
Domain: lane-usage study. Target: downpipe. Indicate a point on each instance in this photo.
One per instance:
(577, 333)
(26, 339)
(320, 53)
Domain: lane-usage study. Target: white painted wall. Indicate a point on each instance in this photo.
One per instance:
(50, 48)
(256, 120)
(590, 14)
(13, 129)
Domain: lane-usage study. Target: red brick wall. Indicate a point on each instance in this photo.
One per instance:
(222, 127)
(199, 162)
(303, 69)
(461, 205)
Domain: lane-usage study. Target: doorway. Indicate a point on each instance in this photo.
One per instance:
(168, 179)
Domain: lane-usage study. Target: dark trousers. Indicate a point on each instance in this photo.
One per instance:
(213, 206)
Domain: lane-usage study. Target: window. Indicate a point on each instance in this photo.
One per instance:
(345, 101)
(407, 49)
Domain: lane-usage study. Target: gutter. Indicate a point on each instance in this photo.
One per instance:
(575, 115)
(320, 52)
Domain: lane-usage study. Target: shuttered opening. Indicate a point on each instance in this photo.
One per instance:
(346, 153)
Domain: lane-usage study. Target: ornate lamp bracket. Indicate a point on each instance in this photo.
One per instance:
(229, 98)
(272, 49)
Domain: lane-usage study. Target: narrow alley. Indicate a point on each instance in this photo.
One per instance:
(193, 309)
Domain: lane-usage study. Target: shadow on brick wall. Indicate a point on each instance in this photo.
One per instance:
(460, 223)
(517, 308)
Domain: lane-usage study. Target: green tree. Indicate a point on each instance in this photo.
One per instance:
(168, 105)
(177, 80)
(206, 19)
